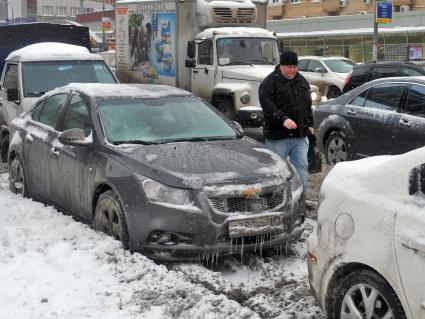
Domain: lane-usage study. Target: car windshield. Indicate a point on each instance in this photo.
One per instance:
(340, 66)
(247, 51)
(40, 77)
(162, 120)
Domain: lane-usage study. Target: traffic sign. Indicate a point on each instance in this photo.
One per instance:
(384, 11)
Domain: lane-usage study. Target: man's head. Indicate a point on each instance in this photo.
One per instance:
(289, 64)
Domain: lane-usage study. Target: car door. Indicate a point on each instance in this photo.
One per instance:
(74, 166)
(39, 140)
(409, 243)
(314, 77)
(374, 117)
(412, 122)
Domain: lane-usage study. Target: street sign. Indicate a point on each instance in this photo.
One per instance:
(384, 11)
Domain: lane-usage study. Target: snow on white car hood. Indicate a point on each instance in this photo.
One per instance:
(248, 72)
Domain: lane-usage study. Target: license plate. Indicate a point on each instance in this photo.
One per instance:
(258, 225)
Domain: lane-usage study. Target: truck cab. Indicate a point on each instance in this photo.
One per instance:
(227, 67)
(35, 69)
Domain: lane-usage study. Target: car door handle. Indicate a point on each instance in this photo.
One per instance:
(195, 71)
(350, 112)
(405, 122)
(417, 244)
(54, 152)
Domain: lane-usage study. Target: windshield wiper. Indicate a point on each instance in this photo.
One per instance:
(198, 139)
(141, 142)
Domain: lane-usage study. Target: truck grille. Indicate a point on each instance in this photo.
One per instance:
(246, 13)
(224, 13)
(250, 205)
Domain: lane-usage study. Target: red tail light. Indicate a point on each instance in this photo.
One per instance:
(347, 78)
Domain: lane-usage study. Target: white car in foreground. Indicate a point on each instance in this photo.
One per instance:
(366, 256)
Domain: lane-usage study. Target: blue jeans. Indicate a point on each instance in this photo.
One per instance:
(296, 149)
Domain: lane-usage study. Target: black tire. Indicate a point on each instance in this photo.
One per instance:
(226, 107)
(364, 291)
(109, 217)
(336, 148)
(18, 183)
(4, 148)
(333, 92)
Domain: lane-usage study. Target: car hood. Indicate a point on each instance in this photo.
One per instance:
(247, 72)
(197, 164)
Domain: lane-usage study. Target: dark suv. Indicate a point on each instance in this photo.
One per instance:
(369, 71)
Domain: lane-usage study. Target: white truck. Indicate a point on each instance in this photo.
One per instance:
(218, 50)
(30, 71)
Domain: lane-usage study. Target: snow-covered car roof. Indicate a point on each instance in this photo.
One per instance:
(47, 51)
(103, 91)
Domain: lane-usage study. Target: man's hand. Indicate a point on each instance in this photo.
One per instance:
(289, 124)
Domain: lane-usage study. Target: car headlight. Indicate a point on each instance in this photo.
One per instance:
(245, 97)
(313, 96)
(160, 193)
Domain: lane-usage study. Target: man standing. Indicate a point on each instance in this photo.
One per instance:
(285, 99)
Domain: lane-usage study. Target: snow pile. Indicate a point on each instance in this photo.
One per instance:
(52, 266)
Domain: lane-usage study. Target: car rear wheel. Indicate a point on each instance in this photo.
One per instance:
(4, 148)
(333, 92)
(365, 294)
(17, 178)
(336, 148)
(109, 217)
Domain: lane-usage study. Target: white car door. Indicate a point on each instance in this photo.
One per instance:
(409, 241)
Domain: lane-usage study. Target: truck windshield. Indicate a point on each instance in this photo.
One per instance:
(247, 51)
(40, 77)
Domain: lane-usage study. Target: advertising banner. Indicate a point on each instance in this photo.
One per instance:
(384, 11)
(147, 45)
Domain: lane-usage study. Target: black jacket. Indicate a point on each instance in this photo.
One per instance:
(280, 99)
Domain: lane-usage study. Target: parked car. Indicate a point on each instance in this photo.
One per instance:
(327, 73)
(385, 116)
(157, 168)
(369, 71)
(366, 256)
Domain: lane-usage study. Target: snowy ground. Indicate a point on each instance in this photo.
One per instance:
(54, 267)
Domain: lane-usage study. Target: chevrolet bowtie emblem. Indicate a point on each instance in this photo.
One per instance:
(250, 191)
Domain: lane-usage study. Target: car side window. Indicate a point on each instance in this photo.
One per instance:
(415, 104)
(383, 72)
(313, 65)
(302, 65)
(385, 96)
(11, 77)
(411, 72)
(359, 99)
(36, 111)
(77, 115)
(205, 52)
(52, 108)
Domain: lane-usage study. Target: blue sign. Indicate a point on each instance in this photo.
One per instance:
(384, 11)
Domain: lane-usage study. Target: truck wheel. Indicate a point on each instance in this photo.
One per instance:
(109, 217)
(226, 107)
(4, 147)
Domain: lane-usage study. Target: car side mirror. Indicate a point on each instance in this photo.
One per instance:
(191, 49)
(190, 63)
(75, 137)
(12, 94)
(417, 180)
(320, 70)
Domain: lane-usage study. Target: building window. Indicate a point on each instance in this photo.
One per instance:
(48, 10)
(75, 11)
(88, 10)
(61, 11)
(315, 1)
(296, 1)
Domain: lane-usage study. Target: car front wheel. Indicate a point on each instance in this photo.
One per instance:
(17, 178)
(365, 294)
(333, 92)
(336, 148)
(109, 217)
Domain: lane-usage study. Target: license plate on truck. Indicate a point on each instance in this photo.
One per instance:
(257, 225)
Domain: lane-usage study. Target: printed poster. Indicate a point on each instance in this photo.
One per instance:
(150, 48)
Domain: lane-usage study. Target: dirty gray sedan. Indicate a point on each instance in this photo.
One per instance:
(157, 168)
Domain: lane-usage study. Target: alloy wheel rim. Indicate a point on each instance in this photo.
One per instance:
(337, 150)
(107, 218)
(17, 178)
